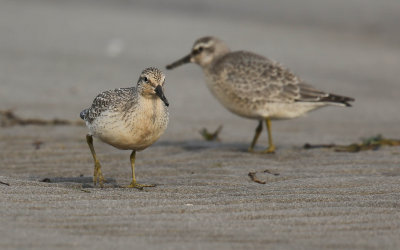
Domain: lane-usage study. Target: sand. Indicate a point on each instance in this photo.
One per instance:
(55, 56)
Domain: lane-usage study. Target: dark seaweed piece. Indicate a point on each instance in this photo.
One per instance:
(254, 178)
(211, 136)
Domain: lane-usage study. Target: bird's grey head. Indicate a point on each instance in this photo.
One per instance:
(151, 82)
(204, 51)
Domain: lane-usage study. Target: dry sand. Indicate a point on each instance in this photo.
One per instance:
(55, 56)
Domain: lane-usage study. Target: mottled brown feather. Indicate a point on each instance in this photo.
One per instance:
(257, 78)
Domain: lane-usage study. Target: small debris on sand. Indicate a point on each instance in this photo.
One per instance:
(270, 172)
(8, 119)
(370, 143)
(37, 144)
(211, 136)
(254, 178)
(46, 180)
(4, 183)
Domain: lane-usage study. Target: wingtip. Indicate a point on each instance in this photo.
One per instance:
(339, 99)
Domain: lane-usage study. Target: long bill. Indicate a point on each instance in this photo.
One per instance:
(178, 63)
(160, 93)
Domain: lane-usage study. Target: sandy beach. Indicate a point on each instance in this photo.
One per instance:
(56, 56)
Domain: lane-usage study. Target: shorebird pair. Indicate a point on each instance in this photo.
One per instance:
(247, 84)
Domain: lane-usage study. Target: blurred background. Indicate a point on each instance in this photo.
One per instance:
(56, 56)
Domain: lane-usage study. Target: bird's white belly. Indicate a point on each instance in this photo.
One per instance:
(278, 111)
(136, 133)
(252, 110)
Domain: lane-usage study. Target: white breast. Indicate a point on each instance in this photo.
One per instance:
(134, 131)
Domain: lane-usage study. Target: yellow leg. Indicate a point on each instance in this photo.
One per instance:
(255, 138)
(134, 184)
(271, 146)
(97, 175)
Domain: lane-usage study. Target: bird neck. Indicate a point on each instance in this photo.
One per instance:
(207, 64)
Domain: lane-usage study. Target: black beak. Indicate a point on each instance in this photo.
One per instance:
(178, 63)
(160, 93)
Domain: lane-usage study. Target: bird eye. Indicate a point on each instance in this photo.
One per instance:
(145, 79)
(198, 50)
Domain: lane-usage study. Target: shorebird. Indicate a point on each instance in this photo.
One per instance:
(255, 87)
(128, 118)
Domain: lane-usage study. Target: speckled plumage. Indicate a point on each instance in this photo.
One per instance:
(118, 100)
(254, 86)
(128, 118)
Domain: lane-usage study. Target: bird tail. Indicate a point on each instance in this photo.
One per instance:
(83, 114)
(337, 99)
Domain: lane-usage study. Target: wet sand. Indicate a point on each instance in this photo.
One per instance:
(55, 56)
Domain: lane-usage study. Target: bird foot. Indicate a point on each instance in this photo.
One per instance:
(98, 175)
(139, 186)
(269, 150)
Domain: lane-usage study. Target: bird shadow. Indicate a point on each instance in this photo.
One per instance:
(235, 147)
(198, 145)
(82, 181)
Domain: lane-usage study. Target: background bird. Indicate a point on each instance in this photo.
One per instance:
(254, 86)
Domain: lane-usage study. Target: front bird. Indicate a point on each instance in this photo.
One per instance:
(128, 118)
